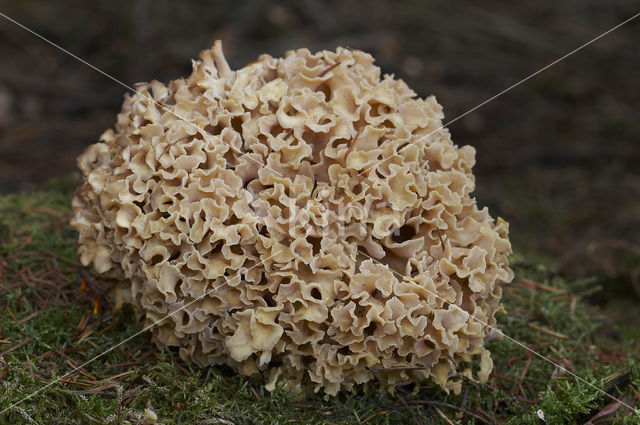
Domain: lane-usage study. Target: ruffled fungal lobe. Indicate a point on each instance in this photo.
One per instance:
(243, 201)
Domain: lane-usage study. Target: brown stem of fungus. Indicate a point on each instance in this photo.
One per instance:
(326, 71)
(353, 143)
(440, 237)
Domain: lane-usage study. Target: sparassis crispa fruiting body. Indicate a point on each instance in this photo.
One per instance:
(243, 201)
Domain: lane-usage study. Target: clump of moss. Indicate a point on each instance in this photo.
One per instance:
(66, 322)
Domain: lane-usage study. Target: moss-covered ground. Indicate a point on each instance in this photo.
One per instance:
(54, 317)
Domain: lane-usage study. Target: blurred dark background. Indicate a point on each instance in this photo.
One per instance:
(557, 156)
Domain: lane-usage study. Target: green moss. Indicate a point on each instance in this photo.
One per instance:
(40, 274)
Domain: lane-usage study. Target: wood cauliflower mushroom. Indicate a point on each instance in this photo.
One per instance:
(244, 203)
